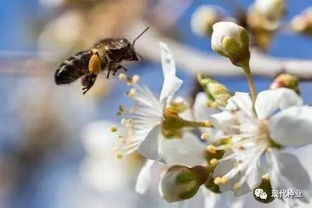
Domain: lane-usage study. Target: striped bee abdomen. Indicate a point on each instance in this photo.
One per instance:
(73, 68)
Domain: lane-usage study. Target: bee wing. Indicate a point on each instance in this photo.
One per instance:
(18, 63)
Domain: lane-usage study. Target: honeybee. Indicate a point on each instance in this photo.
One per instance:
(104, 55)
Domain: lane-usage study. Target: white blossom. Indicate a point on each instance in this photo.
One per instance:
(146, 117)
(258, 136)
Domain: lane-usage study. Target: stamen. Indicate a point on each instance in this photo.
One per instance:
(217, 180)
(123, 77)
(211, 148)
(132, 92)
(224, 180)
(118, 155)
(213, 162)
(113, 129)
(135, 79)
(208, 124)
(204, 136)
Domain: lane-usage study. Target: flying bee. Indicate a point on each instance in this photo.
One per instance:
(105, 55)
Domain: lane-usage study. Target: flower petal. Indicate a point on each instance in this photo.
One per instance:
(286, 172)
(269, 101)
(223, 168)
(144, 178)
(188, 151)
(224, 121)
(242, 102)
(292, 126)
(201, 111)
(149, 147)
(171, 82)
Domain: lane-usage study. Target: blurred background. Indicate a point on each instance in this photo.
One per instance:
(55, 146)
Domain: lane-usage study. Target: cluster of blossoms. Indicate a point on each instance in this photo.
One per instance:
(225, 144)
(263, 19)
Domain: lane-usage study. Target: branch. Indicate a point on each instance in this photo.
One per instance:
(195, 61)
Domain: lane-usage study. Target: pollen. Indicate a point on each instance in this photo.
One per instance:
(204, 136)
(211, 148)
(213, 162)
(113, 129)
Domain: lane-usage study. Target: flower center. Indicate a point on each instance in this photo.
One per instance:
(263, 130)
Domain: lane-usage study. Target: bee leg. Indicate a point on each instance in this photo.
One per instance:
(110, 67)
(87, 82)
(108, 73)
(119, 67)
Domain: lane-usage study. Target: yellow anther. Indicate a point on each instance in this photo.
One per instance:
(213, 162)
(132, 92)
(211, 148)
(118, 155)
(135, 79)
(207, 124)
(212, 105)
(204, 136)
(217, 180)
(126, 122)
(123, 77)
(113, 129)
(224, 180)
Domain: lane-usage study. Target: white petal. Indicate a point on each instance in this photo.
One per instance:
(269, 101)
(188, 151)
(201, 111)
(211, 199)
(292, 126)
(254, 177)
(242, 101)
(147, 99)
(224, 121)
(149, 147)
(286, 171)
(144, 178)
(171, 82)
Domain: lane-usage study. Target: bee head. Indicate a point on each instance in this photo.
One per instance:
(134, 55)
(129, 52)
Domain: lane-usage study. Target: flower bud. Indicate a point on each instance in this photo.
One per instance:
(286, 80)
(232, 41)
(204, 18)
(263, 19)
(303, 23)
(217, 92)
(180, 182)
(273, 10)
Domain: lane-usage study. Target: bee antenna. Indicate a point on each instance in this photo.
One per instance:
(146, 29)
